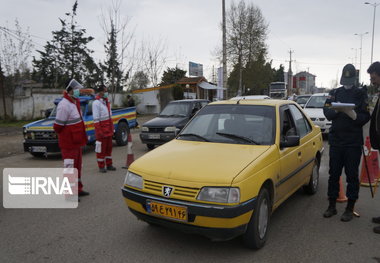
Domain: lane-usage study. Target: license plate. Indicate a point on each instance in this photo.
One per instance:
(166, 210)
(39, 149)
(154, 136)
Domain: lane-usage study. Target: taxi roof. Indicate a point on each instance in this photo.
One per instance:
(264, 102)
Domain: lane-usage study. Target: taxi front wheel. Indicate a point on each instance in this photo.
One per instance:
(256, 233)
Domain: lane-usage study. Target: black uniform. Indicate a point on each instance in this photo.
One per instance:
(346, 139)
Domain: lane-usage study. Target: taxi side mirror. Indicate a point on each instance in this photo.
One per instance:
(290, 141)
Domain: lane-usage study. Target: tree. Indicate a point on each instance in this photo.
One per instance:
(153, 56)
(246, 34)
(257, 75)
(119, 63)
(279, 74)
(67, 56)
(15, 52)
(112, 65)
(140, 80)
(172, 75)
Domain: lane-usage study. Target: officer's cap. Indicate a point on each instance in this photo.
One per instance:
(348, 75)
(73, 84)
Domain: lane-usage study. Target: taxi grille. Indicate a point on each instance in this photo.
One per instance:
(179, 191)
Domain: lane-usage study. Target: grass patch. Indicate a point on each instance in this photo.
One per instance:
(13, 123)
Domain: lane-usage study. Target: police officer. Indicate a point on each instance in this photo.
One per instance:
(374, 130)
(345, 140)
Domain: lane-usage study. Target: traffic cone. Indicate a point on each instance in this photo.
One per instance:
(130, 155)
(371, 162)
(342, 196)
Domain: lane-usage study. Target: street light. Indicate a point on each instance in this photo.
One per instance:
(361, 42)
(373, 26)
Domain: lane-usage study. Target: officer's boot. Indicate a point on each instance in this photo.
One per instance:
(331, 210)
(349, 212)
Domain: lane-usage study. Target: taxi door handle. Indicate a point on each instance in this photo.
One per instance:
(299, 154)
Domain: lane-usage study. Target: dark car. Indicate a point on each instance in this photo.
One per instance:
(170, 121)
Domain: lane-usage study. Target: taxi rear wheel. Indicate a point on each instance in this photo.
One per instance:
(257, 230)
(312, 187)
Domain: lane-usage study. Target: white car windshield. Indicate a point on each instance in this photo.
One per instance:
(316, 102)
(236, 124)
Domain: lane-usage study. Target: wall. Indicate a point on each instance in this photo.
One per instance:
(31, 106)
(147, 102)
(34, 103)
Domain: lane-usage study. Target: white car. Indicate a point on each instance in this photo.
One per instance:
(251, 97)
(314, 109)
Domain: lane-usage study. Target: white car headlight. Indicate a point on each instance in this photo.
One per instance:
(144, 129)
(133, 180)
(170, 129)
(220, 194)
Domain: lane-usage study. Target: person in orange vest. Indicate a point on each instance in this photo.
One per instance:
(374, 130)
(71, 131)
(104, 129)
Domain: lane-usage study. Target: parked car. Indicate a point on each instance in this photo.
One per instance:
(251, 97)
(40, 138)
(302, 99)
(231, 166)
(314, 109)
(170, 121)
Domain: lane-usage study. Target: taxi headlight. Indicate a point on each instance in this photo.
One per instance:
(144, 129)
(220, 194)
(133, 180)
(170, 129)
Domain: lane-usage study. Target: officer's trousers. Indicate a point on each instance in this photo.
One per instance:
(349, 158)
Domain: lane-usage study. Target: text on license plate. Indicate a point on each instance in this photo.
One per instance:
(166, 210)
(39, 149)
(154, 136)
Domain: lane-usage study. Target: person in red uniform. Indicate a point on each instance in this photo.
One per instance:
(71, 131)
(101, 112)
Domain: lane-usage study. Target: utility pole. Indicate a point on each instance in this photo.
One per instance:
(374, 5)
(3, 91)
(224, 48)
(290, 74)
(361, 44)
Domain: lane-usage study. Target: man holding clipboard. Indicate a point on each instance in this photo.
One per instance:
(347, 108)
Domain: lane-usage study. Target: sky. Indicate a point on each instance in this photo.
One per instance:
(320, 33)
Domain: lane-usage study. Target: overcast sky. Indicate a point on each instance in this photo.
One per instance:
(321, 33)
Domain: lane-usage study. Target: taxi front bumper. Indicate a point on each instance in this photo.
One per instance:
(216, 222)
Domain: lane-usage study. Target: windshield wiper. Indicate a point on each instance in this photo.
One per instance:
(234, 136)
(193, 135)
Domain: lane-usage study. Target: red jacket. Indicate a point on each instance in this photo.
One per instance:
(69, 124)
(101, 112)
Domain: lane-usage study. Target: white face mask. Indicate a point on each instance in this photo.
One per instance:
(348, 86)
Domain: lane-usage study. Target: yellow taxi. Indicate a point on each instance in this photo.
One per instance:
(231, 166)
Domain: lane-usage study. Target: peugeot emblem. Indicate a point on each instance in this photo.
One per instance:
(167, 191)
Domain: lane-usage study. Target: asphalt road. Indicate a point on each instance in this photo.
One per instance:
(102, 229)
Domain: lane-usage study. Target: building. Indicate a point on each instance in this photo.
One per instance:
(304, 83)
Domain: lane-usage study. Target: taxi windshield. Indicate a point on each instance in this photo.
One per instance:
(236, 124)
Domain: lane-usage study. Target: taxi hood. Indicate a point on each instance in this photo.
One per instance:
(198, 162)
